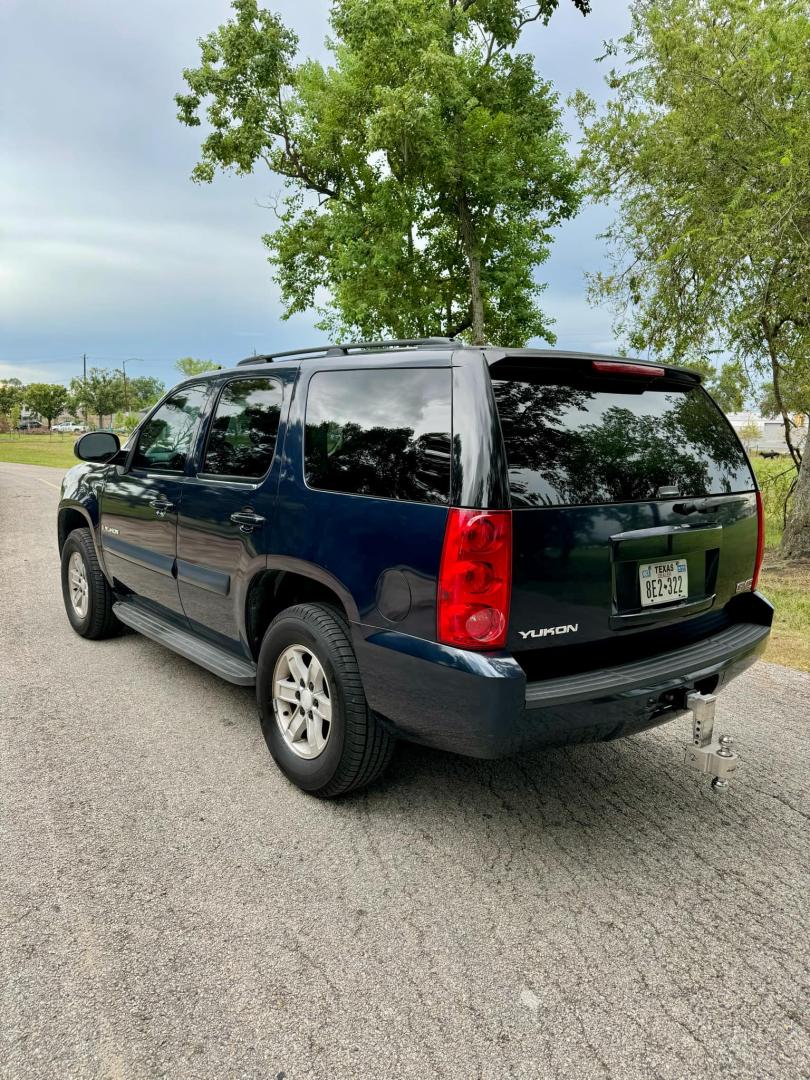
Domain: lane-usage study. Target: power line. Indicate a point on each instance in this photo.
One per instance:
(83, 359)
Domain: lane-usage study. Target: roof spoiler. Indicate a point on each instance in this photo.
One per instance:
(596, 361)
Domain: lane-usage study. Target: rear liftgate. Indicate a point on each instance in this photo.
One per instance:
(589, 443)
(714, 757)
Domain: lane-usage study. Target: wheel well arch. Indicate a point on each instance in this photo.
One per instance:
(273, 590)
(68, 521)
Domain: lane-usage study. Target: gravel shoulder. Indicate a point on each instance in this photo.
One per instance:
(171, 907)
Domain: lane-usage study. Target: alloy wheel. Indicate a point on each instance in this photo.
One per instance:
(302, 701)
(79, 585)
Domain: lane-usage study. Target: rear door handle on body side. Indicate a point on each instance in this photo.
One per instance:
(162, 507)
(247, 520)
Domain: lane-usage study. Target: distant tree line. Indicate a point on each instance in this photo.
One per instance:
(99, 396)
(103, 395)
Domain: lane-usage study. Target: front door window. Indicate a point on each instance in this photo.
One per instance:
(164, 441)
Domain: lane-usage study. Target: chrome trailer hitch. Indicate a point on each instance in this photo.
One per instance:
(706, 754)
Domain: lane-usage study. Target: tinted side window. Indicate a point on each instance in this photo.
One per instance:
(244, 429)
(165, 439)
(380, 432)
(575, 443)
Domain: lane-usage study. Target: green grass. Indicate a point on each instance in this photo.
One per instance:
(55, 450)
(786, 586)
(788, 589)
(774, 476)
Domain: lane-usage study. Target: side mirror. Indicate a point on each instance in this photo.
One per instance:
(97, 446)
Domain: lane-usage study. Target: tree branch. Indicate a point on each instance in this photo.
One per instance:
(292, 155)
(465, 324)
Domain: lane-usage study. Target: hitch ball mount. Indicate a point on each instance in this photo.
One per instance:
(706, 754)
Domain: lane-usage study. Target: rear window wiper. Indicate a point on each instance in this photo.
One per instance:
(701, 507)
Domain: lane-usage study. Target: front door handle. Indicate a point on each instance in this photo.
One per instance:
(162, 507)
(247, 520)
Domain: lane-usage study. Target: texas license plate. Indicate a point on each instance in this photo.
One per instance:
(663, 582)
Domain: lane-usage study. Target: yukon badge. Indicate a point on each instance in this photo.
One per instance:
(570, 628)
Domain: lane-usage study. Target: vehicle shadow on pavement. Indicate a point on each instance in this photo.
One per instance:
(589, 792)
(631, 785)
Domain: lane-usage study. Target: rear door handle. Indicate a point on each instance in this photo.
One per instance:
(162, 507)
(247, 520)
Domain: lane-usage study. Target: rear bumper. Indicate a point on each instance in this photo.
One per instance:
(481, 704)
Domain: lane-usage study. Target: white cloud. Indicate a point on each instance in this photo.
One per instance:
(32, 373)
(108, 248)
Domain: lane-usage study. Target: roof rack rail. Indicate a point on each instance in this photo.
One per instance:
(338, 349)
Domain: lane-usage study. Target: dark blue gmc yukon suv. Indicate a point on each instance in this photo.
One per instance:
(480, 549)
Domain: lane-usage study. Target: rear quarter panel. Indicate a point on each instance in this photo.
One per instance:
(382, 553)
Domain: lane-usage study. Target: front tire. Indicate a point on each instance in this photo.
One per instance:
(313, 710)
(87, 595)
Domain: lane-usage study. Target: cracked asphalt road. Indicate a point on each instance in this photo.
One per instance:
(171, 906)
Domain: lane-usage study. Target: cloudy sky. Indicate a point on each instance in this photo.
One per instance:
(107, 248)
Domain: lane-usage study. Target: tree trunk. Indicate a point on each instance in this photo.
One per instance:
(796, 537)
(473, 256)
(777, 392)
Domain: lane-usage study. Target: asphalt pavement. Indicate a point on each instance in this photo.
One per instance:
(170, 906)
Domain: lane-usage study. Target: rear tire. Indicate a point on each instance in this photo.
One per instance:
(327, 745)
(87, 595)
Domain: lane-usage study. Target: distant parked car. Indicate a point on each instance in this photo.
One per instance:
(69, 425)
(29, 425)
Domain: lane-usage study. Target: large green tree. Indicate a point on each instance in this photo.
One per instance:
(46, 399)
(424, 168)
(101, 393)
(144, 391)
(704, 148)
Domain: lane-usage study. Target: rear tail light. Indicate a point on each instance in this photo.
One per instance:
(475, 579)
(619, 367)
(760, 541)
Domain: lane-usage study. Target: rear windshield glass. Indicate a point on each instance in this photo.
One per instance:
(578, 445)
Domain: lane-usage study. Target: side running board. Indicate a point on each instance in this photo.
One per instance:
(233, 669)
